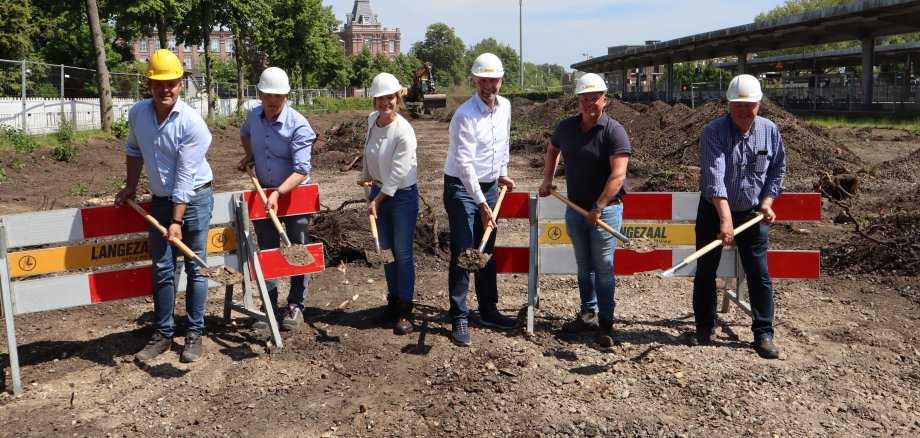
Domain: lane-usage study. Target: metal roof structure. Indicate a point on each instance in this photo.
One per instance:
(889, 53)
(852, 21)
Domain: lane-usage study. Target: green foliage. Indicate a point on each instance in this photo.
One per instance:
(66, 133)
(65, 152)
(21, 141)
(335, 105)
(3, 177)
(79, 190)
(509, 57)
(405, 66)
(17, 30)
(906, 122)
(120, 128)
(362, 69)
(445, 51)
(117, 183)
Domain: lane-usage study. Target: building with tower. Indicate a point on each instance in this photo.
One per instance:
(363, 29)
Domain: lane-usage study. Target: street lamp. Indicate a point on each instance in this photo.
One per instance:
(521, 39)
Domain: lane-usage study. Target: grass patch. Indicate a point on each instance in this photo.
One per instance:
(327, 104)
(905, 122)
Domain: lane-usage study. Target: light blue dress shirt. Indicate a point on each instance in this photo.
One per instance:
(174, 152)
(280, 148)
(742, 168)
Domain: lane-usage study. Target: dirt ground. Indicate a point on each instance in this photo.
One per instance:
(851, 347)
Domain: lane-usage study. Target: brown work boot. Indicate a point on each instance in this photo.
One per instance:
(766, 348)
(157, 345)
(605, 333)
(193, 350)
(404, 319)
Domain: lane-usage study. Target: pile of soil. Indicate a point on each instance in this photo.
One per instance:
(665, 140)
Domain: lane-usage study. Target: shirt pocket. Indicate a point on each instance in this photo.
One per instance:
(761, 160)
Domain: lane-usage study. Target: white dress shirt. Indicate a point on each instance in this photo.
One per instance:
(479, 144)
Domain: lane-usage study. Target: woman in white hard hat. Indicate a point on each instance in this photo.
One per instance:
(390, 168)
(278, 142)
(596, 151)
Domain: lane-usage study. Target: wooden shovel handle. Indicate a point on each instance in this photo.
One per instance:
(370, 217)
(264, 198)
(489, 228)
(178, 243)
(584, 213)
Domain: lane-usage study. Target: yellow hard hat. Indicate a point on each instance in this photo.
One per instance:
(164, 65)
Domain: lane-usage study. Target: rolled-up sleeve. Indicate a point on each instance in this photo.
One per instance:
(712, 166)
(466, 152)
(246, 129)
(302, 148)
(132, 148)
(776, 173)
(402, 160)
(194, 145)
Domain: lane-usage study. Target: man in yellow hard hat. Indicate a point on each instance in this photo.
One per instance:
(169, 139)
(742, 169)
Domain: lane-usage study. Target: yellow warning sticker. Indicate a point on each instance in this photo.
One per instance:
(43, 261)
(666, 234)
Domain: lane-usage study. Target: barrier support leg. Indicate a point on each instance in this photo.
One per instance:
(7, 305)
(739, 294)
(533, 273)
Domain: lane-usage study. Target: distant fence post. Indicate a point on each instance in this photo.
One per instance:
(24, 127)
(62, 92)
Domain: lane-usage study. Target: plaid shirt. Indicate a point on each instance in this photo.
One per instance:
(742, 168)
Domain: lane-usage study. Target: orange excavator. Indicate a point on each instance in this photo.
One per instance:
(423, 95)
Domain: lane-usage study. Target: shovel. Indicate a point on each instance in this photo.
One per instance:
(475, 259)
(379, 257)
(712, 245)
(642, 244)
(294, 255)
(220, 274)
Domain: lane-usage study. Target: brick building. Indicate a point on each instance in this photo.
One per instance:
(363, 29)
(221, 46)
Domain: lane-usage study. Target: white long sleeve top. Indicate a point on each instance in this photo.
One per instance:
(389, 154)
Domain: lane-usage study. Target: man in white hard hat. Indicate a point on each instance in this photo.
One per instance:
(278, 142)
(477, 163)
(170, 139)
(742, 168)
(596, 150)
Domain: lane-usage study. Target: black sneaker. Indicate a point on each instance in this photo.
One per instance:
(583, 322)
(496, 320)
(293, 318)
(388, 314)
(703, 337)
(766, 348)
(460, 333)
(156, 346)
(193, 350)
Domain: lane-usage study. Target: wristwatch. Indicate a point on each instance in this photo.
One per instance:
(181, 222)
(597, 207)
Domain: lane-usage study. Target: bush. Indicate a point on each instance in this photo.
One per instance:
(65, 152)
(337, 104)
(120, 129)
(67, 132)
(22, 141)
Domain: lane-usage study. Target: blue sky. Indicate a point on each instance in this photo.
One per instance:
(561, 32)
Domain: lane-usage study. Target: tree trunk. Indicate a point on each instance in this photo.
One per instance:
(240, 68)
(208, 75)
(161, 29)
(102, 74)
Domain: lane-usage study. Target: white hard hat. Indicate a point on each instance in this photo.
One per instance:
(744, 88)
(488, 65)
(274, 81)
(384, 84)
(590, 83)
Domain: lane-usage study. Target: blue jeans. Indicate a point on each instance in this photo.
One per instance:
(297, 228)
(396, 219)
(752, 247)
(195, 236)
(466, 232)
(594, 249)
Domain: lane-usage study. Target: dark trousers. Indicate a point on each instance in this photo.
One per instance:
(752, 248)
(466, 232)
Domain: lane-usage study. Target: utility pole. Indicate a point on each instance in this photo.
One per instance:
(521, 39)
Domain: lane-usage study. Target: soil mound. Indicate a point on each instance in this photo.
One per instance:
(666, 139)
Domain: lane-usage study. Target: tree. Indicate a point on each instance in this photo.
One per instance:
(139, 18)
(102, 71)
(362, 69)
(445, 51)
(509, 56)
(405, 66)
(299, 38)
(16, 29)
(236, 16)
(195, 28)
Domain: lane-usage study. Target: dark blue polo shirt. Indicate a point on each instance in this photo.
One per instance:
(587, 156)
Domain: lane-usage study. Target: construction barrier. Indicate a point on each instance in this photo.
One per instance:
(67, 274)
(550, 251)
